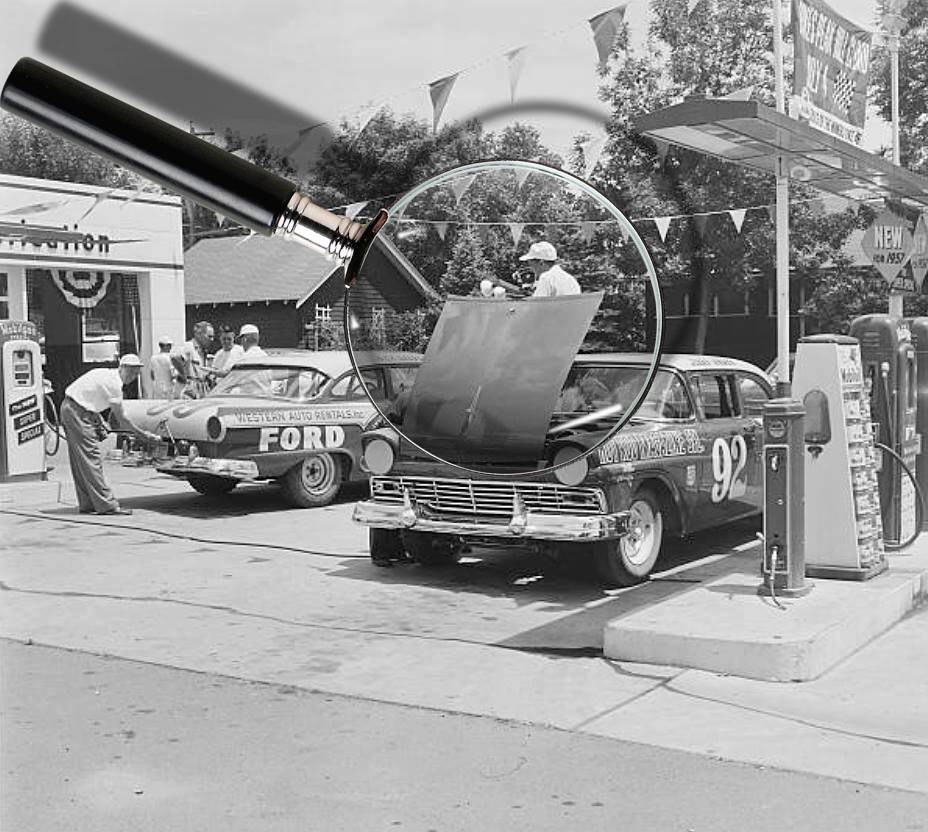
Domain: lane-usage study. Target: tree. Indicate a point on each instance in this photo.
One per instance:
(29, 150)
(913, 85)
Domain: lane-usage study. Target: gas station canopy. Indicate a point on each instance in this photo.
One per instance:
(748, 133)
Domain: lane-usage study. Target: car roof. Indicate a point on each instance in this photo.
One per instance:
(678, 361)
(330, 362)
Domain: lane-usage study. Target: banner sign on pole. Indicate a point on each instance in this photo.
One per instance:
(888, 243)
(830, 70)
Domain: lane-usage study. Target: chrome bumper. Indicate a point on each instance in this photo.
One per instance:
(536, 526)
(238, 469)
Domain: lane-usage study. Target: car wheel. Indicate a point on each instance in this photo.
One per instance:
(313, 482)
(432, 549)
(212, 486)
(386, 546)
(630, 559)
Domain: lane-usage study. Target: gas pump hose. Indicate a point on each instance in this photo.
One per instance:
(919, 503)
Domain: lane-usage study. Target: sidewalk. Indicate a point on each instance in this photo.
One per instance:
(254, 591)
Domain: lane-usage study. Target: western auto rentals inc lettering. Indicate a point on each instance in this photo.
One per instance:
(304, 437)
(639, 447)
(294, 416)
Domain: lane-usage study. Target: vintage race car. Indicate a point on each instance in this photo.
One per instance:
(689, 459)
(293, 416)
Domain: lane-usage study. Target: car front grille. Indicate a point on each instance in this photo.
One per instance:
(488, 497)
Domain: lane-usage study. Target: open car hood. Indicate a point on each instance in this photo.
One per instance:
(491, 376)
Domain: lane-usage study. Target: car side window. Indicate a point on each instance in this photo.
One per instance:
(752, 393)
(717, 395)
(348, 386)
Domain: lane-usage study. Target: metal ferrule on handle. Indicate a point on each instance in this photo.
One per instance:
(210, 176)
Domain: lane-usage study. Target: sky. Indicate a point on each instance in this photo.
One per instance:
(284, 64)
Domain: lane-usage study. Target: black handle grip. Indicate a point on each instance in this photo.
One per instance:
(178, 160)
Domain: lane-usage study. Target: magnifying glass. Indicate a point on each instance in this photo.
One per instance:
(515, 375)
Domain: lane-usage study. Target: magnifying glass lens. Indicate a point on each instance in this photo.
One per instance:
(506, 320)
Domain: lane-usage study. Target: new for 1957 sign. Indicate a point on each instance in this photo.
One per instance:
(888, 243)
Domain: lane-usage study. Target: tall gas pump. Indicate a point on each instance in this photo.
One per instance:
(22, 423)
(918, 328)
(890, 372)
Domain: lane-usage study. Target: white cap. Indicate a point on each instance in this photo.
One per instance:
(248, 329)
(486, 288)
(165, 339)
(540, 251)
(499, 292)
(130, 359)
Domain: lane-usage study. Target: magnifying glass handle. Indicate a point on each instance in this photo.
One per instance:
(257, 199)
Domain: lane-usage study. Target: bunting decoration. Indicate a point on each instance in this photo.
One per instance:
(82, 289)
(592, 150)
(605, 27)
(460, 185)
(737, 217)
(439, 91)
(587, 230)
(516, 229)
(441, 228)
(663, 225)
(220, 218)
(521, 175)
(366, 115)
(515, 60)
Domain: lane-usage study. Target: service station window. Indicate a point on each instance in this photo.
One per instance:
(4, 295)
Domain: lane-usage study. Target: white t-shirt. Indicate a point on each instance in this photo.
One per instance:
(555, 282)
(226, 359)
(252, 353)
(97, 389)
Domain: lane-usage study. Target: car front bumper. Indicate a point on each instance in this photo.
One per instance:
(236, 469)
(528, 525)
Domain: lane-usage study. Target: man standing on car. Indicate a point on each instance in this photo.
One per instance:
(190, 361)
(550, 279)
(84, 429)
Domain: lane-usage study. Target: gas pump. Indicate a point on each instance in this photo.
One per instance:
(890, 373)
(918, 327)
(21, 396)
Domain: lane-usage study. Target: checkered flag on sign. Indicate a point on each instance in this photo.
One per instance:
(843, 92)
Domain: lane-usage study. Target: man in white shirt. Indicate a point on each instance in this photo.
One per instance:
(84, 400)
(249, 337)
(190, 361)
(161, 370)
(550, 279)
(229, 352)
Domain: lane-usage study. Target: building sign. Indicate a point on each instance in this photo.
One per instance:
(24, 236)
(830, 70)
(888, 244)
(919, 259)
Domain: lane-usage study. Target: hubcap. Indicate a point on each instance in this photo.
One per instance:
(638, 543)
(317, 472)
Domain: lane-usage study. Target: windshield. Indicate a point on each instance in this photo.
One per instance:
(294, 383)
(589, 388)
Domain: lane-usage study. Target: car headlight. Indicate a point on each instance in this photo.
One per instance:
(573, 472)
(379, 456)
(213, 428)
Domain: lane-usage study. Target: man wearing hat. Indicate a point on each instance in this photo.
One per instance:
(249, 337)
(550, 279)
(161, 370)
(84, 429)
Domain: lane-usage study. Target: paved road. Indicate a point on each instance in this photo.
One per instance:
(98, 745)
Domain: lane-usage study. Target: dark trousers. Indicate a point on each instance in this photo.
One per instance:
(80, 430)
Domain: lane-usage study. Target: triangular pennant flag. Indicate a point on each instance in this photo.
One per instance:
(441, 228)
(516, 61)
(521, 175)
(691, 4)
(700, 220)
(772, 213)
(626, 234)
(586, 231)
(663, 224)
(737, 217)
(220, 218)
(592, 150)
(97, 199)
(354, 209)
(365, 114)
(516, 229)
(461, 184)
(744, 94)
(439, 91)
(605, 27)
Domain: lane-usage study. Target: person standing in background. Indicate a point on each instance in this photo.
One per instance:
(161, 370)
(550, 279)
(229, 352)
(190, 361)
(249, 337)
(84, 429)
